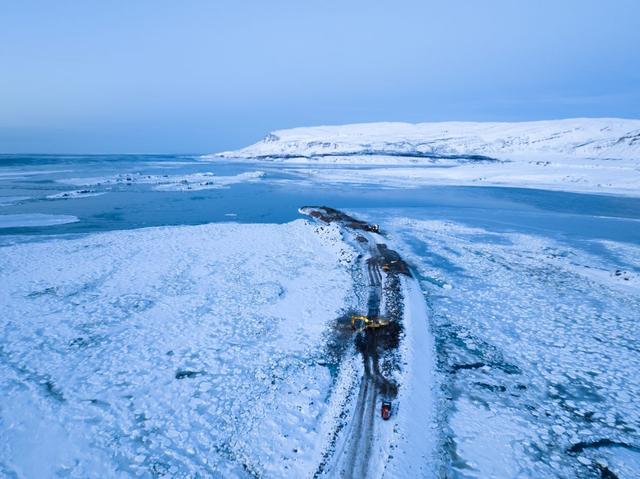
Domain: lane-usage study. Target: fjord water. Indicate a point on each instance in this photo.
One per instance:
(27, 180)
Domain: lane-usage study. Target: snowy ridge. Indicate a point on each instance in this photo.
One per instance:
(585, 137)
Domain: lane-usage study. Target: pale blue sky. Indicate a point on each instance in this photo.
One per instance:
(205, 75)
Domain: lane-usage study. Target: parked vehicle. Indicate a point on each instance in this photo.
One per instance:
(385, 410)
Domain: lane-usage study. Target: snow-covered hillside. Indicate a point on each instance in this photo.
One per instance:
(599, 138)
(581, 155)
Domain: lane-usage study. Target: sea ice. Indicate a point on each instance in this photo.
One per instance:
(29, 220)
(177, 351)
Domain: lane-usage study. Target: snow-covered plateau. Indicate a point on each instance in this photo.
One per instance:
(581, 155)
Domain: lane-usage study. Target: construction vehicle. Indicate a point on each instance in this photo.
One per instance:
(385, 410)
(360, 323)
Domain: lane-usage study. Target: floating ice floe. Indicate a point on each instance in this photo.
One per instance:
(192, 182)
(29, 220)
(66, 195)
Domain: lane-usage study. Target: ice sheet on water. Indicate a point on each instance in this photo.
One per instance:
(165, 351)
(29, 220)
(538, 339)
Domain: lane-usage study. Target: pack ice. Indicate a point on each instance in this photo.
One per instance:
(538, 349)
(168, 352)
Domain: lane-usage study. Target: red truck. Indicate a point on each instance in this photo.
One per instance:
(385, 410)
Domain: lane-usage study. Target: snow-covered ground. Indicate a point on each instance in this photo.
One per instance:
(538, 344)
(595, 155)
(188, 351)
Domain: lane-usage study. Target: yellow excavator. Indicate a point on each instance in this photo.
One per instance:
(360, 323)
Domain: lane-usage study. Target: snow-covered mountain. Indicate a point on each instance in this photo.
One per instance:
(606, 138)
(590, 155)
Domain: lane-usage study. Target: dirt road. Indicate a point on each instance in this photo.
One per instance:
(357, 454)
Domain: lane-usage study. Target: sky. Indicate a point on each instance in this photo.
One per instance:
(198, 76)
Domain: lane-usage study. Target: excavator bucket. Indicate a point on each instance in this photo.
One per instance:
(360, 323)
